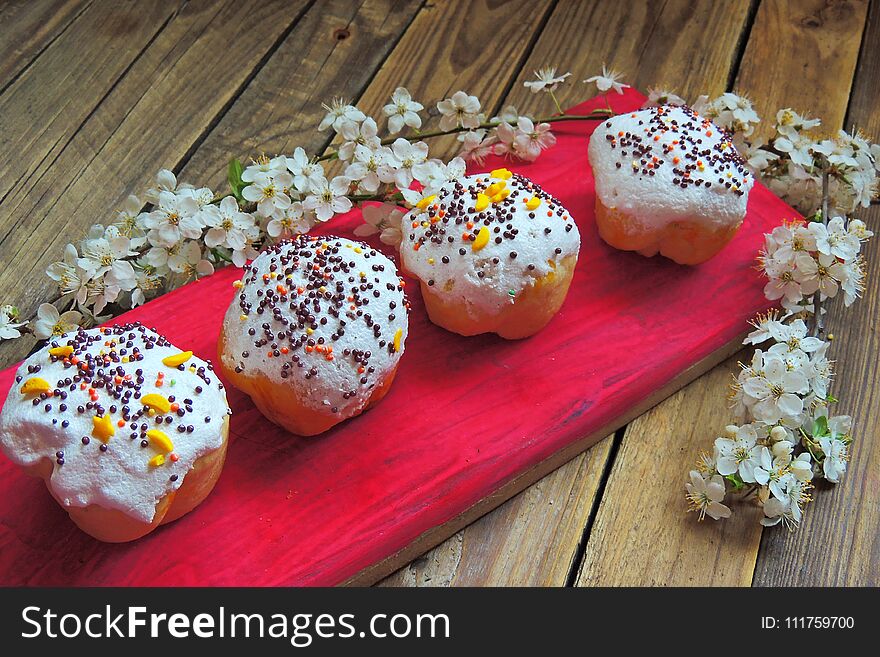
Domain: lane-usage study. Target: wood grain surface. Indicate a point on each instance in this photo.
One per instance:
(96, 96)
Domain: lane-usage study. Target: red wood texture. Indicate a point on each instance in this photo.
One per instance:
(464, 416)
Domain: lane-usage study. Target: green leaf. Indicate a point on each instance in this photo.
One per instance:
(233, 175)
(831, 399)
(735, 481)
(820, 426)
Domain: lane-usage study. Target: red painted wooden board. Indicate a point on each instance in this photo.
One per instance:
(465, 415)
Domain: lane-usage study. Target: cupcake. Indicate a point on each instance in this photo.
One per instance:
(128, 431)
(315, 332)
(494, 253)
(668, 181)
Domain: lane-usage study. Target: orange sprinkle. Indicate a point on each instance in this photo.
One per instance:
(120, 424)
(549, 213)
(175, 407)
(620, 134)
(284, 350)
(470, 224)
(174, 458)
(676, 160)
(415, 224)
(309, 349)
(269, 354)
(709, 133)
(161, 375)
(417, 246)
(329, 356)
(361, 370)
(159, 383)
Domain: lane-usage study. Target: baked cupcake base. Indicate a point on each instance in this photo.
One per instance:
(114, 526)
(281, 404)
(685, 242)
(534, 307)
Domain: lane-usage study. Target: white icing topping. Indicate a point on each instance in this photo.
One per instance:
(521, 244)
(121, 477)
(295, 311)
(640, 159)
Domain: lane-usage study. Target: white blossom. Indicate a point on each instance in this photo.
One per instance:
(175, 218)
(340, 113)
(269, 191)
(608, 80)
(289, 223)
(659, 96)
(776, 391)
(705, 496)
(51, 322)
(402, 110)
(820, 274)
(404, 156)
(9, 323)
(358, 134)
(547, 80)
(370, 168)
(328, 198)
(227, 224)
(737, 452)
(305, 172)
(384, 219)
(460, 110)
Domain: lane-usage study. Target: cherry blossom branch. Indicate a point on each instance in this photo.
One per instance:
(595, 115)
(816, 326)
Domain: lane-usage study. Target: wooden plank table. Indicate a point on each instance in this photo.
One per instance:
(96, 96)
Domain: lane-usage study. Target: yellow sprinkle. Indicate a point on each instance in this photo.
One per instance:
(273, 275)
(533, 203)
(309, 331)
(425, 202)
(482, 202)
(358, 249)
(494, 188)
(425, 224)
(430, 261)
(242, 317)
(157, 460)
(348, 246)
(322, 289)
(192, 368)
(125, 359)
(397, 336)
(102, 428)
(160, 440)
(482, 239)
(500, 196)
(504, 174)
(177, 359)
(34, 386)
(61, 351)
(156, 402)
(237, 284)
